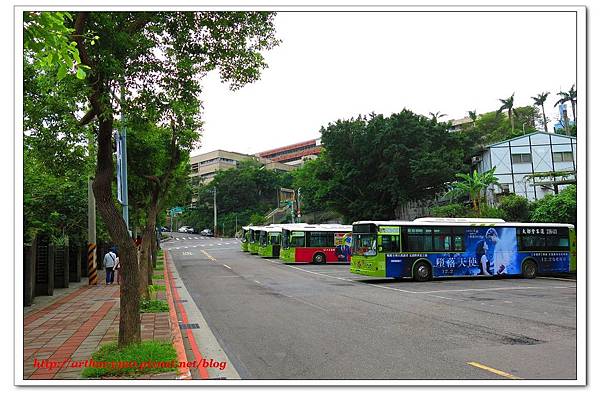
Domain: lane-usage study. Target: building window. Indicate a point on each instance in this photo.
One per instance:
(520, 158)
(195, 167)
(562, 156)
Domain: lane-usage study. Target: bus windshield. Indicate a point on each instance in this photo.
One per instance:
(274, 238)
(364, 244)
(263, 238)
(292, 239)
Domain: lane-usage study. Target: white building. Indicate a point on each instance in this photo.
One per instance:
(531, 165)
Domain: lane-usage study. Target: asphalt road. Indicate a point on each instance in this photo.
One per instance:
(279, 321)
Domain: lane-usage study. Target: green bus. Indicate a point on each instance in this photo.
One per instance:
(428, 248)
(253, 236)
(244, 239)
(269, 242)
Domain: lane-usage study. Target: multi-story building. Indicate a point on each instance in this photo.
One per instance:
(460, 124)
(204, 166)
(294, 154)
(531, 165)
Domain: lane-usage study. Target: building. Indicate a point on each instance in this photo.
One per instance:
(204, 166)
(294, 154)
(460, 124)
(531, 165)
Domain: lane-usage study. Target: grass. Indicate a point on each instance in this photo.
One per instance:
(153, 306)
(158, 276)
(135, 360)
(153, 288)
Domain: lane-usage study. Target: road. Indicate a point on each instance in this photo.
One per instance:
(279, 321)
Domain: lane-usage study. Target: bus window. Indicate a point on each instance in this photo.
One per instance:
(442, 239)
(390, 243)
(320, 239)
(418, 239)
(458, 243)
(297, 239)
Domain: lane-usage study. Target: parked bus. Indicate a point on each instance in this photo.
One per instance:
(444, 247)
(244, 240)
(270, 242)
(253, 235)
(318, 244)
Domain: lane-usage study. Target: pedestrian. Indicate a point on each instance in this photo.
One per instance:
(109, 264)
(118, 270)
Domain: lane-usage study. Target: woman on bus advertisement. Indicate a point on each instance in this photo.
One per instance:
(489, 251)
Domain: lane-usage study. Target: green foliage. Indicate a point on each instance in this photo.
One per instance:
(560, 208)
(450, 211)
(473, 185)
(515, 208)
(153, 306)
(491, 212)
(48, 43)
(370, 165)
(146, 352)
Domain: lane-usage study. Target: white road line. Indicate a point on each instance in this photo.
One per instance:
(271, 260)
(558, 278)
(487, 289)
(176, 238)
(444, 297)
(305, 302)
(227, 266)
(257, 282)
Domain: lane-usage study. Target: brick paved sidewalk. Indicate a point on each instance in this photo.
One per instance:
(75, 326)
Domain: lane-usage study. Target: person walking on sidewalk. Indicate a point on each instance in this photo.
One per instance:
(118, 270)
(110, 259)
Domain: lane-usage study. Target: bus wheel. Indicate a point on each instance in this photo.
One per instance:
(422, 271)
(529, 269)
(319, 259)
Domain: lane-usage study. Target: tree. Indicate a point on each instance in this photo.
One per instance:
(515, 208)
(473, 185)
(473, 115)
(507, 104)
(569, 96)
(539, 101)
(47, 40)
(141, 52)
(371, 165)
(557, 208)
(437, 115)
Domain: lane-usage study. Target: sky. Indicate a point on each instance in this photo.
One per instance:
(337, 65)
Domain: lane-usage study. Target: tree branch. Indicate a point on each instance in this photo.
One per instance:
(89, 116)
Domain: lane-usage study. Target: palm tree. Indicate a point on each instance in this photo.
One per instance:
(507, 104)
(437, 115)
(473, 185)
(473, 115)
(569, 96)
(539, 101)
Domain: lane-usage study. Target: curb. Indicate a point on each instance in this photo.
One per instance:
(184, 373)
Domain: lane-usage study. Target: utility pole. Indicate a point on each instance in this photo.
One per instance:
(124, 161)
(215, 210)
(235, 225)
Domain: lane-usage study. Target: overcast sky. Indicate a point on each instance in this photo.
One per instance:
(334, 66)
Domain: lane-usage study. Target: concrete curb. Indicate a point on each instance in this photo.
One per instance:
(183, 373)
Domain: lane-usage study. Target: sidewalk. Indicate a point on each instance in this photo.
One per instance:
(75, 325)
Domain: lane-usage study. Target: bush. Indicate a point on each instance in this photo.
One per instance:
(153, 306)
(559, 208)
(151, 357)
(515, 208)
(492, 212)
(450, 211)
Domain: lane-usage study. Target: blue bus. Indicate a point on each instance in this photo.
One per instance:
(428, 248)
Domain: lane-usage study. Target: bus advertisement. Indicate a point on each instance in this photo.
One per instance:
(269, 242)
(318, 244)
(443, 247)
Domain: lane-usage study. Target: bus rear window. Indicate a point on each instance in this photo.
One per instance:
(543, 239)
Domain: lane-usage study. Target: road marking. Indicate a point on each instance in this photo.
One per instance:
(257, 282)
(486, 289)
(444, 297)
(271, 260)
(558, 278)
(493, 370)
(305, 302)
(227, 266)
(187, 253)
(208, 255)
(176, 238)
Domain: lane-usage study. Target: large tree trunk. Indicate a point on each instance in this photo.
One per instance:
(129, 321)
(143, 281)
